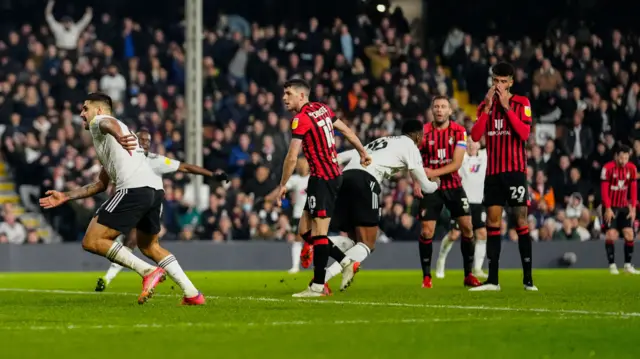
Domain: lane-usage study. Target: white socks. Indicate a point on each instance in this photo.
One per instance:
(478, 256)
(112, 272)
(296, 249)
(122, 255)
(445, 247)
(171, 265)
(343, 243)
(358, 253)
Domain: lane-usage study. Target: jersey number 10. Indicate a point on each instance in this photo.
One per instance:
(327, 127)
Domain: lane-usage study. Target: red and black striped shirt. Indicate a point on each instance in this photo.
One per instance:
(314, 126)
(506, 138)
(619, 185)
(437, 149)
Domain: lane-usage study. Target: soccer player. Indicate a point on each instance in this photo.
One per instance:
(619, 190)
(160, 165)
(505, 121)
(297, 185)
(137, 202)
(357, 206)
(472, 172)
(312, 130)
(443, 148)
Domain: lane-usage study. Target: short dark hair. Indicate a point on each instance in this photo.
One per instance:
(412, 126)
(441, 97)
(298, 83)
(503, 69)
(144, 129)
(622, 148)
(100, 97)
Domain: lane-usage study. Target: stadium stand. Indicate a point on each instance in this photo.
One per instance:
(583, 87)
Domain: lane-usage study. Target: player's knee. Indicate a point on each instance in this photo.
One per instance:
(481, 234)
(627, 234)
(611, 236)
(454, 235)
(89, 244)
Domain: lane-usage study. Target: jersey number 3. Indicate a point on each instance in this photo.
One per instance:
(327, 127)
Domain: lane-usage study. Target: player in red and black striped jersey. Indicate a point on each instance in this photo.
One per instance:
(443, 147)
(312, 130)
(505, 121)
(619, 191)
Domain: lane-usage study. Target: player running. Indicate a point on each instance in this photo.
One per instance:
(297, 185)
(357, 206)
(619, 189)
(472, 172)
(312, 130)
(160, 165)
(443, 147)
(137, 202)
(505, 121)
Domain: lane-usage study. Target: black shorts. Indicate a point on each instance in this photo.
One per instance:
(478, 217)
(619, 221)
(130, 208)
(509, 188)
(358, 203)
(321, 196)
(454, 199)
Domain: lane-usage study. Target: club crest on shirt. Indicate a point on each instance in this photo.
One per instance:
(451, 140)
(167, 161)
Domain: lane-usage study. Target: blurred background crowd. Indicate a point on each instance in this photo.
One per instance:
(375, 69)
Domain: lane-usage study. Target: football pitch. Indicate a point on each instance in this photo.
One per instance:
(385, 314)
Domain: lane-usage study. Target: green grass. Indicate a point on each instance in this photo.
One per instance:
(385, 314)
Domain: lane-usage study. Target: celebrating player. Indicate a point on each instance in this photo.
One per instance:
(137, 202)
(443, 148)
(357, 206)
(312, 130)
(619, 188)
(160, 165)
(472, 173)
(297, 185)
(505, 121)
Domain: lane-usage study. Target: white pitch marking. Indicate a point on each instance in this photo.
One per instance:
(66, 327)
(357, 303)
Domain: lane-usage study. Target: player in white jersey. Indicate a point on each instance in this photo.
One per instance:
(357, 206)
(297, 186)
(160, 165)
(472, 171)
(137, 202)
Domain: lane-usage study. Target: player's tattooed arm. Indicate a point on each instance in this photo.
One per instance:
(110, 126)
(91, 189)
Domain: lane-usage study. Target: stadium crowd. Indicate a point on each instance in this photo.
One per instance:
(583, 88)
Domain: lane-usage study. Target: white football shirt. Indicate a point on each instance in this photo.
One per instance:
(124, 169)
(298, 185)
(390, 155)
(473, 171)
(162, 165)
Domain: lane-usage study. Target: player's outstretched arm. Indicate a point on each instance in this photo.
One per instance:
(197, 170)
(365, 159)
(55, 198)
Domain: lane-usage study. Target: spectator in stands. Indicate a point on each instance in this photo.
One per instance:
(14, 231)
